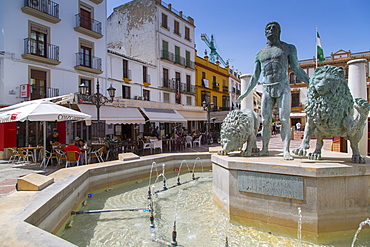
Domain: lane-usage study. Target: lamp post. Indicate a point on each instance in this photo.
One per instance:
(208, 107)
(97, 99)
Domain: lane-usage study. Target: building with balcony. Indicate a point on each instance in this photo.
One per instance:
(299, 89)
(48, 48)
(153, 33)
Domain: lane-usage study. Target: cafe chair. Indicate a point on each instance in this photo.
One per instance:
(47, 157)
(14, 155)
(96, 154)
(157, 144)
(189, 141)
(197, 140)
(24, 155)
(147, 145)
(73, 157)
(61, 155)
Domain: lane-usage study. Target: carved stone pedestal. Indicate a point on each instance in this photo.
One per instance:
(268, 193)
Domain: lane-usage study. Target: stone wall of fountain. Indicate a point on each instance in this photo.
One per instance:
(266, 193)
(41, 213)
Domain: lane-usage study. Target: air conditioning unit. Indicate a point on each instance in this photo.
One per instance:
(41, 5)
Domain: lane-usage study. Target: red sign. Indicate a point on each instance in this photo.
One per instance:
(13, 116)
(25, 91)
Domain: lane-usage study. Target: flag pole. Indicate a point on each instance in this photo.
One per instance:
(316, 46)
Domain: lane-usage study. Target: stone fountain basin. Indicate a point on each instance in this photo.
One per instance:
(31, 218)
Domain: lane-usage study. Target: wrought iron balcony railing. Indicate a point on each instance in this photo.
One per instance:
(85, 60)
(45, 6)
(88, 23)
(34, 47)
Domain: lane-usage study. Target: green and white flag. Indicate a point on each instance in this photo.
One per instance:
(320, 51)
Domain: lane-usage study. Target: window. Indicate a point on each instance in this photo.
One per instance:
(85, 17)
(38, 84)
(125, 69)
(187, 57)
(165, 50)
(145, 74)
(295, 99)
(178, 88)
(188, 83)
(85, 56)
(176, 27)
(187, 33)
(215, 102)
(38, 40)
(166, 82)
(165, 21)
(146, 94)
(126, 92)
(38, 43)
(166, 97)
(87, 82)
(188, 100)
(177, 54)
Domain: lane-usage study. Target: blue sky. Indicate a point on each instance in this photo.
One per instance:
(238, 25)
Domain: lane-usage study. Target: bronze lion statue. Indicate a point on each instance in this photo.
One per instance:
(238, 128)
(331, 112)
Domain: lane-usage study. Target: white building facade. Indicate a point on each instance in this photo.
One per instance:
(152, 34)
(48, 48)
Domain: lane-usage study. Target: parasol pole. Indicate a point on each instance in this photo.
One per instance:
(44, 123)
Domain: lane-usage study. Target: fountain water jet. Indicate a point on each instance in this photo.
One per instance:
(361, 225)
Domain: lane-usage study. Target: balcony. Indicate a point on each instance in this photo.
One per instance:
(179, 60)
(187, 88)
(87, 63)
(43, 9)
(41, 52)
(97, 1)
(146, 80)
(40, 92)
(215, 86)
(189, 64)
(168, 84)
(88, 26)
(127, 76)
(166, 55)
(225, 89)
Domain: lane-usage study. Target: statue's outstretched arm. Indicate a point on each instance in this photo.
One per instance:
(293, 62)
(254, 79)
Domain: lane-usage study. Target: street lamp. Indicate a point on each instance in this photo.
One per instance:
(97, 99)
(208, 107)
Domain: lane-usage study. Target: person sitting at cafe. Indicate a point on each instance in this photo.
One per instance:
(73, 147)
(52, 140)
(108, 138)
(156, 132)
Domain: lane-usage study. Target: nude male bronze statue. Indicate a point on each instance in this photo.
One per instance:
(273, 62)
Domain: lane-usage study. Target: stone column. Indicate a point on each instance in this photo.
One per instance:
(247, 102)
(358, 88)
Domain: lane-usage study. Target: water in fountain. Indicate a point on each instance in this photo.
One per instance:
(299, 232)
(362, 224)
(198, 221)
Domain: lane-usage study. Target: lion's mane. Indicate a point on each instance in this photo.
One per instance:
(235, 127)
(330, 109)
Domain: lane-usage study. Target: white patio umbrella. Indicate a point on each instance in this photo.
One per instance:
(40, 110)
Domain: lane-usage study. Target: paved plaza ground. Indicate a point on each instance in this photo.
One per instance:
(10, 172)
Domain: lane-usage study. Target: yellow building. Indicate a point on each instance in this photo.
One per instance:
(212, 84)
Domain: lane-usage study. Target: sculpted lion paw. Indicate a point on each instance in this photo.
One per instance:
(362, 105)
(300, 151)
(358, 159)
(246, 153)
(314, 156)
(255, 150)
(222, 152)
